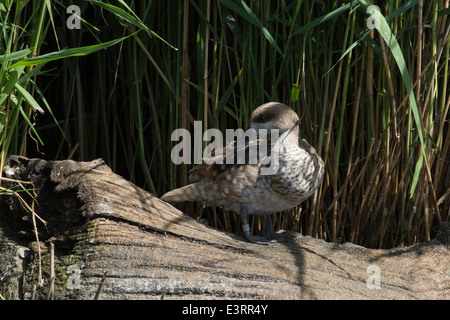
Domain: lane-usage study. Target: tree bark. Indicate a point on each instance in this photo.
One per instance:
(103, 226)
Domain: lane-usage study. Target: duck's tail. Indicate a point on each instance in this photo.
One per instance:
(190, 192)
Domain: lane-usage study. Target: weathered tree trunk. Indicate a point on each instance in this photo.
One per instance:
(99, 223)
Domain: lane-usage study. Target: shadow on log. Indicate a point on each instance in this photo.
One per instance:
(101, 225)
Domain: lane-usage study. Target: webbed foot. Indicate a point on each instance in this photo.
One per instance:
(255, 239)
(271, 236)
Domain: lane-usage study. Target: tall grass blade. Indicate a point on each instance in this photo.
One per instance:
(133, 19)
(250, 16)
(67, 53)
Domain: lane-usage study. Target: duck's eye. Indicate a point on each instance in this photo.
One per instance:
(262, 118)
(266, 116)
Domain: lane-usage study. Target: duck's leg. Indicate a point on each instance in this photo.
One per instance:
(246, 229)
(272, 235)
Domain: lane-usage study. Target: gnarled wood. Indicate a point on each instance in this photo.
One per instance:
(98, 222)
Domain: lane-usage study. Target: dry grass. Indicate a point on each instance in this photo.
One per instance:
(385, 185)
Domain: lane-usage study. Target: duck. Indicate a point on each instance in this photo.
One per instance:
(285, 173)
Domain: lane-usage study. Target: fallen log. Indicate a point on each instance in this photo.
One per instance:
(106, 238)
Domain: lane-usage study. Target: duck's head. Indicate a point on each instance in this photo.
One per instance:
(275, 115)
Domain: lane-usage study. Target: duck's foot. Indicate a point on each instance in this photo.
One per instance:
(256, 239)
(272, 235)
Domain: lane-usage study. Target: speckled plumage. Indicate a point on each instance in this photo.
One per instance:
(243, 189)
